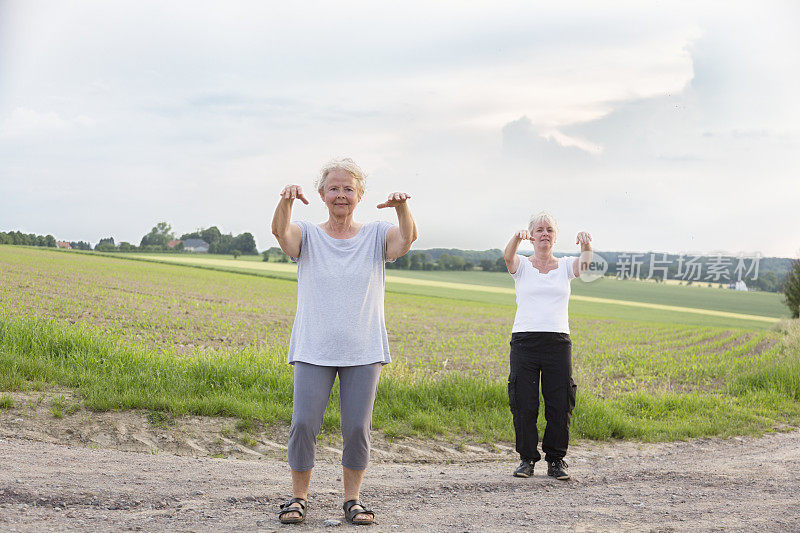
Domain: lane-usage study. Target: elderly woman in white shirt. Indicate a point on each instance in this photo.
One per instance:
(541, 349)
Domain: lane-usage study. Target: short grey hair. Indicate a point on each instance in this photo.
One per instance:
(542, 216)
(346, 164)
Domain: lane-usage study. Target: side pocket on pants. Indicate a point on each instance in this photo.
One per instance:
(512, 392)
(573, 391)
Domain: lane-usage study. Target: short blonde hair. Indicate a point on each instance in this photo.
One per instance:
(542, 216)
(346, 164)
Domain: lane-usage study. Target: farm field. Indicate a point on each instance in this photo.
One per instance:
(135, 334)
(752, 309)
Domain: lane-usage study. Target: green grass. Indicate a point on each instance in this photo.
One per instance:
(252, 385)
(6, 402)
(170, 339)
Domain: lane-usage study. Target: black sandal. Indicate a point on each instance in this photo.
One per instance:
(350, 513)
(285, 508)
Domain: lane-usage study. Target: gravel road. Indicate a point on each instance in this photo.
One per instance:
(702, 485)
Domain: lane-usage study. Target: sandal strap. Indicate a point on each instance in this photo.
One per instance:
(286, 507)
(350, 513)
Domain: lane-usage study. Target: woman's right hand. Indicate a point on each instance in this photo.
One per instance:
(523, 235)
(294, 192)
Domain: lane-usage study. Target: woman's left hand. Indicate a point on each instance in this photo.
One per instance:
(395, 199)
(583, 238)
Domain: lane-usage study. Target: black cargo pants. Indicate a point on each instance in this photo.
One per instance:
(549, 355)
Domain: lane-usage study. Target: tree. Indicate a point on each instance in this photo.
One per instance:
(265, 255)
(245, 243)
(236, 254)
(791, 289)
(768, 281)
(457, 263)
(80, 245)
(500, 265)
(160, 235)
(107, 240)
(210, 235)
(445, 261)
(486, 265)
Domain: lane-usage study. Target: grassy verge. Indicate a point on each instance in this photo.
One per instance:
(253, 384)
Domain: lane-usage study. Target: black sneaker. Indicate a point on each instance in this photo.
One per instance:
(525, 469)
(557, 469)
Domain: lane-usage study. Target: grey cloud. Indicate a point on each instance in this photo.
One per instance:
(522, 140)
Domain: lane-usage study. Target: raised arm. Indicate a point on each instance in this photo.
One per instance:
(582, 263)
(400, 237)
(510, 254)
(289, 235)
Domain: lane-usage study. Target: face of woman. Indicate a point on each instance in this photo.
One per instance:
(340, 193)
(543, 235)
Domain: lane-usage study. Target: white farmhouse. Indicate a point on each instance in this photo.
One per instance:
(195, 245)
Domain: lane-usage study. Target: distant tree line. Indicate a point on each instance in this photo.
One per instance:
(424, 260)
(27, 239)
(219, 243)
(161, 235)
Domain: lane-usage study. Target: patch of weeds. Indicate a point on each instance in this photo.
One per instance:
(160, 419)
(218, 456)
(85, 419)
(6, 402)
(246, 425)
(57, 405)
(247, 439)
(226, 431)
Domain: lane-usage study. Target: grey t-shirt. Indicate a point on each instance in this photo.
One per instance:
(340, 289)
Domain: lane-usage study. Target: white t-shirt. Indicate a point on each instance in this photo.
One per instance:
(542, 299)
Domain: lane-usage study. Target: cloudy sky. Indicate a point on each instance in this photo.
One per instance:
(655, 126)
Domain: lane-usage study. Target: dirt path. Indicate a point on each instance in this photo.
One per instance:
(707, 485)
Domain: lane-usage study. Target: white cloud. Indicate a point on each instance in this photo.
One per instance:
(577, 142)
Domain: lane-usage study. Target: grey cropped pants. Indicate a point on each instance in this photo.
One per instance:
(312, 389)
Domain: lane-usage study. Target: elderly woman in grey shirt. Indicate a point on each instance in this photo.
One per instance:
(339, 326)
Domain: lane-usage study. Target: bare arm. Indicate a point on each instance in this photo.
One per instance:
(510, 254)
(400, 238)
(289, 235)
(582, 263)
